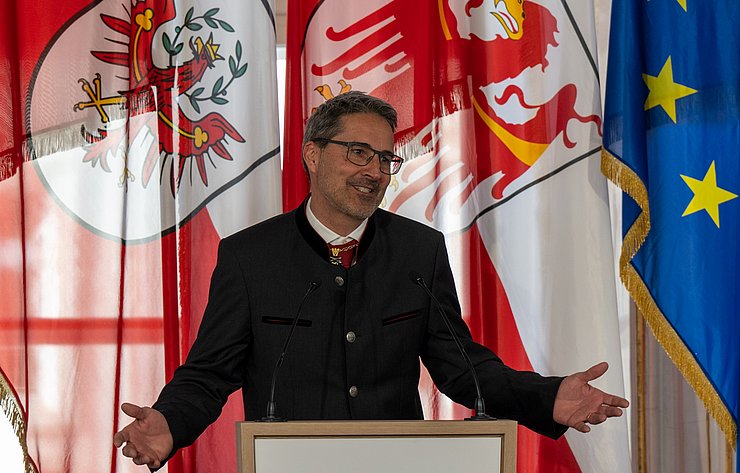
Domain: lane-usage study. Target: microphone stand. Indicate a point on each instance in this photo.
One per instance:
(271, 417)
(480, 405)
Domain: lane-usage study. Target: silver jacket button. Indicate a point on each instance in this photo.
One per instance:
(351, 337)
(339, 281)
(353, 392)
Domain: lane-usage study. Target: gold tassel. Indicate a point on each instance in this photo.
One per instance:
(617, 172)
(10, 406)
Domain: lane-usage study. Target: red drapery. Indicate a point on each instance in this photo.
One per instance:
(498, 123)
(134, 137)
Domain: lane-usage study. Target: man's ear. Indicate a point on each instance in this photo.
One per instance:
(311, 154)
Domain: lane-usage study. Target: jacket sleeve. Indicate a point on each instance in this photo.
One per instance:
(193, 399)
(523, 396)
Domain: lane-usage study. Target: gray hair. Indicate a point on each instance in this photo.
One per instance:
(326, 121)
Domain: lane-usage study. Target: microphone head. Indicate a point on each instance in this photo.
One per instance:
(416, 278)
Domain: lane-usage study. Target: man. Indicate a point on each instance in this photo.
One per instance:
(363, 323)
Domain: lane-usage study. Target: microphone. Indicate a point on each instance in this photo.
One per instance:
(271, 417)
(480, 405)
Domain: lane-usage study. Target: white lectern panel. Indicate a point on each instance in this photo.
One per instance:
(376, 446)
(374, 454)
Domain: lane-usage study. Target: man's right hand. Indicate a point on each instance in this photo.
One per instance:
(147, 440)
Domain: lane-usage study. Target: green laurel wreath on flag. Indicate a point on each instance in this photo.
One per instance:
(11, 407)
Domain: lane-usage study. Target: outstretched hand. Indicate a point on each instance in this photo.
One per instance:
(147, 440)
(578, 404)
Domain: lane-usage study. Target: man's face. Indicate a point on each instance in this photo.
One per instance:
(344, 194)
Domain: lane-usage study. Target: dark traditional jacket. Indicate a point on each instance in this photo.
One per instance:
(356, 349)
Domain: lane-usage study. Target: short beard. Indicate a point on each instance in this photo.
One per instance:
(359, 212)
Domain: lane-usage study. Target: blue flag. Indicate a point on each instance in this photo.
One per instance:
(672, 143)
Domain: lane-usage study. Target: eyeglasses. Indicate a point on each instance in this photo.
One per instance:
(361, 154)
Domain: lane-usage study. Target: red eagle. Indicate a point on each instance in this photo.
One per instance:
(443, 71)
(157, 89)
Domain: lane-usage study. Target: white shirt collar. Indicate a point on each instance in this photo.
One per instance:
(328, 235)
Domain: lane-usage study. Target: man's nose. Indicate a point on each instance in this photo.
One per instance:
(372, 169)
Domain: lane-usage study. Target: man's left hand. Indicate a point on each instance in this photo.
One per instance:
(579, 404)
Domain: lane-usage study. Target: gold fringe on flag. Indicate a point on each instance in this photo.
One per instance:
(621, 175)
(10, 406)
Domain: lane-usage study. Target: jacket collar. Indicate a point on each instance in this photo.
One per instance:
(318, 244)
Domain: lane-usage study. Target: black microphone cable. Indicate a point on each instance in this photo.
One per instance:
(480, 405)
(271, 417)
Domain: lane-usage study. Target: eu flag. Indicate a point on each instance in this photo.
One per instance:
(672, 143)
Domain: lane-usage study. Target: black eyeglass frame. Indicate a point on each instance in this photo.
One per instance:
(394, 161)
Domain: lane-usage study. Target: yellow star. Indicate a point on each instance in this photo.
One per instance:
(665, 92)
(707, 196)
(683, 4)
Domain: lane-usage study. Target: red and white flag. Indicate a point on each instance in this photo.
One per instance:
(499, 124)
(147, 131)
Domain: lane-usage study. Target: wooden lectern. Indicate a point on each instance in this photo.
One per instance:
(376, 446)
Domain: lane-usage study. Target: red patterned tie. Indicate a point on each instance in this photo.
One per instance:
(343, 254)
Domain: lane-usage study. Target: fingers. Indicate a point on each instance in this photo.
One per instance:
(120, 438)
(130, 451)
(124, 435)
(132, 410)
(596, 418)
(139, 458)
(611, 411)
(596, 371)
(582, 427)
(146, 440)
(145, 460)
(616, 401)
(603, 413)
